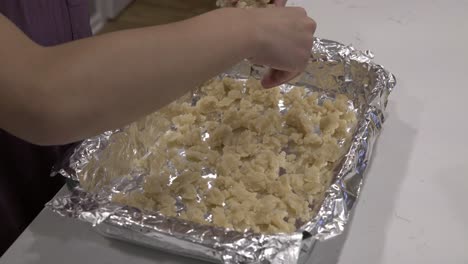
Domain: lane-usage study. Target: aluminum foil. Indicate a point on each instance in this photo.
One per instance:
(333, 69)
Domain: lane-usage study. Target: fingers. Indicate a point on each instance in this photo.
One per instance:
(284, 39)
(276, 77)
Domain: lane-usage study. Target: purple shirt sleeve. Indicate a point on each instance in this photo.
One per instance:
(49, 22)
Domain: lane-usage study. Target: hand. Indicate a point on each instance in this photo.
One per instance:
(285, 39)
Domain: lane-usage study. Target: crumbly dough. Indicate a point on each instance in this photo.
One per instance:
(241, 157)
(244, 3)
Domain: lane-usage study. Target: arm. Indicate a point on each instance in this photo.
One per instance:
(107, 81)
(280, 2)
(65, 93)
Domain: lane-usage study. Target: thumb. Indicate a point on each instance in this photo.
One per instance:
(276, 77)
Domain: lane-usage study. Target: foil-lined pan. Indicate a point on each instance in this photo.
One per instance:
(333, 69)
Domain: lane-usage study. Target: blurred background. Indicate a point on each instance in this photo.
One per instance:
(113, 15)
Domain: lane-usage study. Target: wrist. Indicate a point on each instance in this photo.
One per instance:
(241, 27)
(251, 32)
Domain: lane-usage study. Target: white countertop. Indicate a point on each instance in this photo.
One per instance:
(413, 208)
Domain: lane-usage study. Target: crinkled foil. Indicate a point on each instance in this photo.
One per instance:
(333, 69)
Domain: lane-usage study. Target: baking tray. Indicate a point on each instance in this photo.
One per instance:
(333, 69)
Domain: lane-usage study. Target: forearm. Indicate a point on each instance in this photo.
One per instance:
(91, 85)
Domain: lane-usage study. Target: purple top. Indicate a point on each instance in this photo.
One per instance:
(25, 185)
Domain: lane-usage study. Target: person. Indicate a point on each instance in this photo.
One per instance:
(58, 85)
